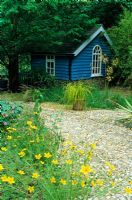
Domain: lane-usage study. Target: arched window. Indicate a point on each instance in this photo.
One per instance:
(96, 61)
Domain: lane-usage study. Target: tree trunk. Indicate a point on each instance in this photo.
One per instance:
(13, 70)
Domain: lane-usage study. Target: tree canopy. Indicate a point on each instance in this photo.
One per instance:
(43, 25)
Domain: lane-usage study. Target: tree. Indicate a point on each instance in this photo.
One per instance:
(108, 12)
(15, 24)
(122, 39)
(29, 25)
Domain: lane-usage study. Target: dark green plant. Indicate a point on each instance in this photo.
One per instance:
(8, 113)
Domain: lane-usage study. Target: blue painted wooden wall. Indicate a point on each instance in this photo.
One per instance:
(61, 66)
(82, 63)
(38, 62)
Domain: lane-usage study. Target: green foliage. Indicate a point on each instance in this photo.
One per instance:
(121, 37)
(3, 72)
(128, 109)
(108, 12)
(36, 164)
(37, 78)
(31, 95)
(8, 113)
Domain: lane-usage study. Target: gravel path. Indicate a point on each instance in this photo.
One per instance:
(114, 142)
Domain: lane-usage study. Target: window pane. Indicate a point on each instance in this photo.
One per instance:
(52, 71)
(48, 64)
(52, 65)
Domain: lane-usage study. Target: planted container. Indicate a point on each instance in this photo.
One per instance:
(76, 94)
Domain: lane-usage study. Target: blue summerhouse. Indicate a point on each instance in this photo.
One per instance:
(78, 61)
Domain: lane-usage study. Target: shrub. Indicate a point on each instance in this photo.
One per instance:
(8, 113)
(37, 78)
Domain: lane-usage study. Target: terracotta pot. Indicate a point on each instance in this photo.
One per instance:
(79, 105)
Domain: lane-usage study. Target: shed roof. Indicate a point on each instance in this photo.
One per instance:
(75, 47)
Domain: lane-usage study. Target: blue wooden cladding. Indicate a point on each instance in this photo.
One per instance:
(82, 63)
(76, 65)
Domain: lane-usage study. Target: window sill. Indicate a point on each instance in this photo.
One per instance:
(96, 75)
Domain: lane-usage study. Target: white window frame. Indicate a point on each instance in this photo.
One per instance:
(96, 61)
(50, 59)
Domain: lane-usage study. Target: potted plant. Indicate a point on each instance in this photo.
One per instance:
(75, 94)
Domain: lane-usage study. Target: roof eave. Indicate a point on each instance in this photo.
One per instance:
(91, 38)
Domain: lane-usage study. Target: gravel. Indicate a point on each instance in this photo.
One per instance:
(114, 142)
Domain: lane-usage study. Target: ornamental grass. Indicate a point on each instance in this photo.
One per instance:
(37, 164)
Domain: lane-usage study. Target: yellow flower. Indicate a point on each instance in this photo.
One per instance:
(35, 175)
(29, 123)
(42, 162)
(47, 155)
(9, 137)
(21, 172)
(83, 184)
(55, 162)
(86, 169)
(80, 151)
(3, 148)
(93, 183)
(74, 182)
(128, 190)
(130, 182)
(1, 167)
(31, 189)
(21, 154)
(24, 149)
(10, 180)
(63, 181)
(4, 178)
(110, 172)
(35, 113)
(113, 183)
(67, 143)
(53, 180)
(90, 154)
(93, 146)
(38, 156)
(10, 130)
(73, 146)
(69, 162)
(64, 152)
(99, 182)
(112, 167)
(33, 127)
